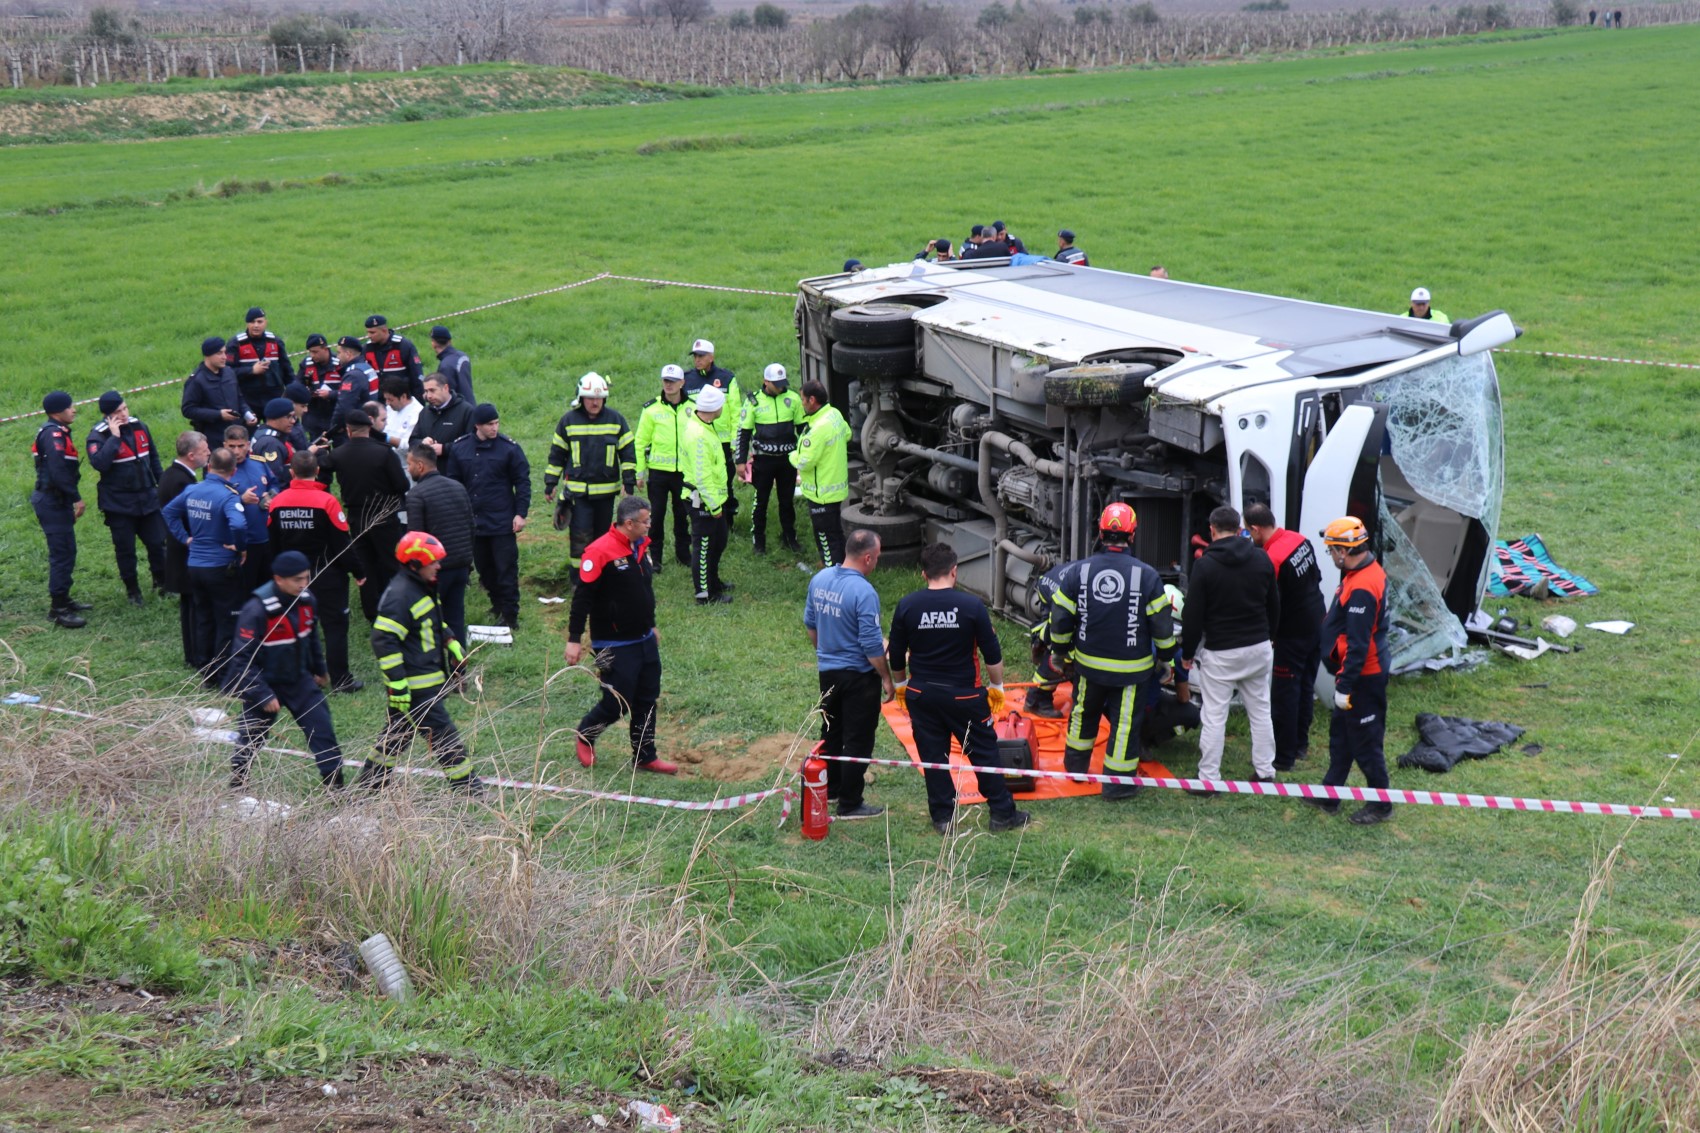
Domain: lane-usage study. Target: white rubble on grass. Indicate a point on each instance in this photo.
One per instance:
(208, 717)
(248, 808)
(1619, 628)
(489, 635)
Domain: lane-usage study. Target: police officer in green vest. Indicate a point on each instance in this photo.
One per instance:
(660, 433)
(1421, 308)
(767, 436)
(822, 460)
(705, 374)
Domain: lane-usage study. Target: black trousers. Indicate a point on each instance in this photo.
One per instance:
(125, 530)
(374, 549)
(451, 596)
(330, 587)
(666, 490)
(938, 713)
(708, 543)
(497, 560)
(850, 707)
(1355, 735)
(257, 567)
(430, 715)
(189, 623)
(1293, 695)
(58, 524)
(218, 597)
(631, 682)
(731, 508)
(774, 474)
(829, 532)
(1122, 705)
(591, 518)
(306, 702)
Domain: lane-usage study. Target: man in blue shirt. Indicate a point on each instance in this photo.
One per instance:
(842, 615)
(257, 483)
(209, 519)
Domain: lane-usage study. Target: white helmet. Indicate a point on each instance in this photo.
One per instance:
(776, 374)
(593, 384)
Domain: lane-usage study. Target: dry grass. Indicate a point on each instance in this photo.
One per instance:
(1603, 1041)
(1156, 1029)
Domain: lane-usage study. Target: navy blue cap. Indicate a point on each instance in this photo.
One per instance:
(297, 393)
(977, 230)
(376, 321)
(485, 413)
(110, 401)
(254, 313)
(997, 225)
(211, 346)
(279, 407)
(941, 245)
(291, 563)
(56, 402)
(351, 342)
(852, 265)
(441, 334)
(316, 340)
(1066, 233)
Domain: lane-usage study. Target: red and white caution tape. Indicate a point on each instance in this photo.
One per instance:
(1317, 791)
(787, 795)
(1599, 358)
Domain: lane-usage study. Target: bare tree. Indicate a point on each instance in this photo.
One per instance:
(905, 27)
(472, 31)
(953, 41)
(643, 13)
(682, 12)
(847, 39)
(1029, 33)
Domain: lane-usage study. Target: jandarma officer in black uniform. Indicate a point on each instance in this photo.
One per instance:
(58, 504)
(261, 362)
(121, 449)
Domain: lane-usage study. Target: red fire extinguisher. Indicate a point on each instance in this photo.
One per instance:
(816, 821)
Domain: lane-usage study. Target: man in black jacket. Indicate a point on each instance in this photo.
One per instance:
(184, 473)
(445, 419)
(121, 449)
(212, 399)
(497, 478)
(440, 506)
(305, 517)
(261, 362)
(1232, 612)
(278, 664)
(321, 376)
(373, 486)
(615, 593)
(452, 363)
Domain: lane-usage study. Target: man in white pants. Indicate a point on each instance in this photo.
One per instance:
(1232, 612)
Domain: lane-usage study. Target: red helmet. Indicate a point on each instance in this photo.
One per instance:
(420, 548)
(1119, 518)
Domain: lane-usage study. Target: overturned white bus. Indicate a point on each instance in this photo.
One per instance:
(1001, 405)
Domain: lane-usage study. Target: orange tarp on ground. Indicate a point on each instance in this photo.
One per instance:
(1048, 734)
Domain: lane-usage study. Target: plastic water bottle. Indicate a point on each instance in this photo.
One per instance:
(386, 968)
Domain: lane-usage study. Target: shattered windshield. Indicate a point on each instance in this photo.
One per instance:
(1444, 432)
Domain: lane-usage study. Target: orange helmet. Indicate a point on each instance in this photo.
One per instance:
(1347, 531)
(1119, 518)
(420, 548)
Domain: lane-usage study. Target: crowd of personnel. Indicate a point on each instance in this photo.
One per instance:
(245, 529)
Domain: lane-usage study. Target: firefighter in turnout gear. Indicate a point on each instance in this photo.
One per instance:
(58, 504)
(121, 449)
(767, 436)
(1111, 616)
(278, 664)
(660, 440)
(822, 460)
(592, 457)
(417, 653)
(1354, 640)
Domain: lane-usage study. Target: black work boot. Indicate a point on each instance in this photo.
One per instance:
(63, 614)
(1115, 792)
(134, 594)
(790, 543)
(1371, 813)
(373, 776)
(1077, 762)
(1039, 703)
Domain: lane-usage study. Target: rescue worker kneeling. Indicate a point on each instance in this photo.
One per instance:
(277, 664)
(415, 649)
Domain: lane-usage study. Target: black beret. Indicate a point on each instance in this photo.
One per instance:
(376, 321)
(110, 401)
(485, 413)
(56, 402)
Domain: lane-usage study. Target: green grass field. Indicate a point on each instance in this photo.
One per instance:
(1551, 177)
